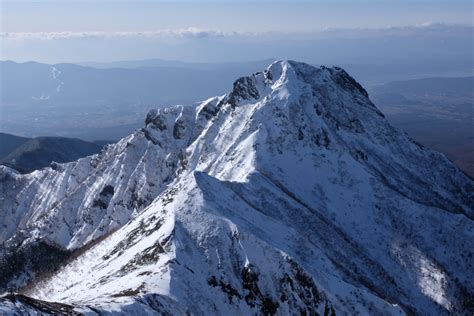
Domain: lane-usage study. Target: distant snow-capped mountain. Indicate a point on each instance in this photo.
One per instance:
(289, 195)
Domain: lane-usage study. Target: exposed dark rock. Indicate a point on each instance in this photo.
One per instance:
(254, 296)
(150, 116)
(347, 82)
(25, 302)
(178, 129)
(225, 287)
(107, 190)
(128, 292)
(268, 75)
(244, 89)
(154, 120)
(100, 204)
(210, 110)
(104, 197)
(150, 137)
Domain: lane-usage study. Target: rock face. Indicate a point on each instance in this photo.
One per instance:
(289, 195)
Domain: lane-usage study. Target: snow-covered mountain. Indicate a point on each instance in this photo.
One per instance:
(289, 195)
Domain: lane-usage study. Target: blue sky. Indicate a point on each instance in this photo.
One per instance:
(104, 15)
(79, 30)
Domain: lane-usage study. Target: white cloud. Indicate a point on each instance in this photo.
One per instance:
(193, 32)
(190, 32)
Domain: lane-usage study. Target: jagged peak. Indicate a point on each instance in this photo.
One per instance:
(286, 73)
(281, 79)
(254, 87)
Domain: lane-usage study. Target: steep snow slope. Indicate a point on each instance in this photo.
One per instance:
(291, 194)
(70, 205)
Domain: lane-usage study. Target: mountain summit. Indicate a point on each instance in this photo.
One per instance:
(291, 194)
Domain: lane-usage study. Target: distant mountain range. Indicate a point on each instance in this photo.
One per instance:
(9, 143)
(147, 63)
(69, 85)
(29, 154)
(89, 103)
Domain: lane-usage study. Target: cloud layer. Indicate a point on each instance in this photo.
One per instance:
(190, 32)
(194, 32)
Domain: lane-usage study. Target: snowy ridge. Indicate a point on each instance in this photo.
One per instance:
(291, 194)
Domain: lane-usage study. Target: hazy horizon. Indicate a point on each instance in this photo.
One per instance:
(317, 31)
